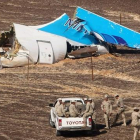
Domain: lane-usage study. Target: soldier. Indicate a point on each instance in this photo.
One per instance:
(136, 122)
(120, 109)
(106, 106)
(60, 111)
(88, 112)
(85, 100)
(59, 102)
(72, 109)
(79, 106)
(94, 113)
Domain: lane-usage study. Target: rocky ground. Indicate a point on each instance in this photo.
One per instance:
(24, 98)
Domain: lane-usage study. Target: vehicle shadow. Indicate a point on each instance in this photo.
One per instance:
(120, 123)
(100, 126)
(83, 133)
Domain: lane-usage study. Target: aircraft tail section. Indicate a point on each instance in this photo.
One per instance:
(108, 30)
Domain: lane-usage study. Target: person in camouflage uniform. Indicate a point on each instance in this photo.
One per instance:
(120, 109)
(136, 122)
(88, 112)
(59, 102)
(73, 112)
(60, 110)
(106, 107)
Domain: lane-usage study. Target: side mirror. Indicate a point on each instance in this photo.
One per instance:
(51, 105)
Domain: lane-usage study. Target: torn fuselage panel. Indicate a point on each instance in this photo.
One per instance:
(42, 47)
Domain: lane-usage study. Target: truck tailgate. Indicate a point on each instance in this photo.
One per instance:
(73, 123)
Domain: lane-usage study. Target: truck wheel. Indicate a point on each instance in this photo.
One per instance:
(58, 133)
(51, 122)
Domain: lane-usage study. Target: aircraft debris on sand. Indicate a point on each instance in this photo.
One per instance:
(87, 33)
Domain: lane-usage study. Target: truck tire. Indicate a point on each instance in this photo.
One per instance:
(58, 133)
(51, 122)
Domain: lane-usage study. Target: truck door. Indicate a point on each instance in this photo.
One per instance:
(45, 52)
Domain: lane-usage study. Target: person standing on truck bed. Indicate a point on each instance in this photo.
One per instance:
(61, 112)
(120, 109)
(106, 106)
(88, 112)
(136, 122)
(73, 112)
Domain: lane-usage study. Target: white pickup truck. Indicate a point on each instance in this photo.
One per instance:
(69, 123)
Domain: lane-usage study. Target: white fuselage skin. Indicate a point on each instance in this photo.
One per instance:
(42, 47)
(29, 39)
